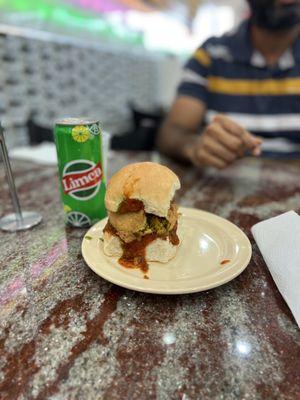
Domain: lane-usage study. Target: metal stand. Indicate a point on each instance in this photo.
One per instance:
(19, 220)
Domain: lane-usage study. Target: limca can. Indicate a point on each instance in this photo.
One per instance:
(81, 173)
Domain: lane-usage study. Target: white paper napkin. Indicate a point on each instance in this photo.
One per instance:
(44, 153)
(278, 239)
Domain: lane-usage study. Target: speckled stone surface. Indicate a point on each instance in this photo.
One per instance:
(65, 333)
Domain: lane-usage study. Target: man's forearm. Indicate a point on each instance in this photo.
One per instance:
(176, 141)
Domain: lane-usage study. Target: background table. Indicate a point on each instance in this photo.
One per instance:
(68, 334)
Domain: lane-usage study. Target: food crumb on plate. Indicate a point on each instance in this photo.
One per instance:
(224, 262)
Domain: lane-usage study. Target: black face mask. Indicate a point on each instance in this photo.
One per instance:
(266, 14)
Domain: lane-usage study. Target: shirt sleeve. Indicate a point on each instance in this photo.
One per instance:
(194, 77)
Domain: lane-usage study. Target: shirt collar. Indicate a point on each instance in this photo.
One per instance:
(242, 50)
(286, 61)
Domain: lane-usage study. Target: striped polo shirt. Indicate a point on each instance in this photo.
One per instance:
(232, 78)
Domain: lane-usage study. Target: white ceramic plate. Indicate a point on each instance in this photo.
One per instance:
(207, 240)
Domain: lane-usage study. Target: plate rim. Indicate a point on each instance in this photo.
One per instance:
(197, 288)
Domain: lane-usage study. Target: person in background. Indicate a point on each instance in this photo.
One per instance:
(245, 81)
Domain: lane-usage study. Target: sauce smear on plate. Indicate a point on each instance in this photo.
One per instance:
(224, 262)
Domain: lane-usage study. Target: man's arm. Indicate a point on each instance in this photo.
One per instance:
(179, 130)
(220, 144)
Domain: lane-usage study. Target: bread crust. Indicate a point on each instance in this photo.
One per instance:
(151, 183)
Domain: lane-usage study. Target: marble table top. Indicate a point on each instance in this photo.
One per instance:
(65, 333)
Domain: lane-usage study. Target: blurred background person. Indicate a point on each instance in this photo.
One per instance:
(247, 80)
(114, 60)
(120, 61)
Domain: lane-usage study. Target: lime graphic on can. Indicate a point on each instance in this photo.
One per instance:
(80, 134)
(78, 219)
(81, 174)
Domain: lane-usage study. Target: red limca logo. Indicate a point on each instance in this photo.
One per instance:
(75, 181)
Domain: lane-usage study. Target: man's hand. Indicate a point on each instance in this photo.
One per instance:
(221, 143)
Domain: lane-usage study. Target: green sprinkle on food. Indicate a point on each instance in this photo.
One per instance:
(102, 240)
(88, 237)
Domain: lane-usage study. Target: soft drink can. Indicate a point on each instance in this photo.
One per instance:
(81, 173)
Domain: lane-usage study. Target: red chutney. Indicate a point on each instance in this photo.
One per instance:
(130, 205)
(109, 229)
(174, 239)
(224, 262)
(134, 253)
